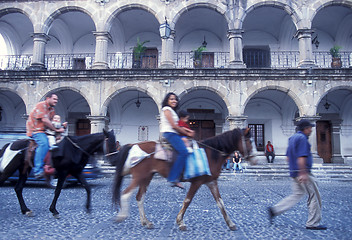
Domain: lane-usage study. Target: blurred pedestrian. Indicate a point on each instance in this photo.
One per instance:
(300, 163)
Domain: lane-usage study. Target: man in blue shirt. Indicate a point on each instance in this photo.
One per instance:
(300, 162)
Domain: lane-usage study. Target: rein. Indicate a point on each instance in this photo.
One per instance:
(75, 144)
(217, 150)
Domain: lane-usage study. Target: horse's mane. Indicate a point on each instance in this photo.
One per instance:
(223, 143)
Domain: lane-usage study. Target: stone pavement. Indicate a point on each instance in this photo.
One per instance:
(246, 200)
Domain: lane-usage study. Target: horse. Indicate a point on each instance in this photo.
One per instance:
(69, 159)
(217, 149)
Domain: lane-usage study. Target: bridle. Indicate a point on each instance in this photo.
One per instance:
(247, 154)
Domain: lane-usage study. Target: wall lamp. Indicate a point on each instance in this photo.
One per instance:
(165, 30)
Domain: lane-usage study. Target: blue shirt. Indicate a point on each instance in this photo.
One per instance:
(298, 146)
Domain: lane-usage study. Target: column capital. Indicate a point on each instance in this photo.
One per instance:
(303, 33)
(40, 37)
(234, 33)
(309, 118)
(103, 34)
(236, 121)
(97, 118)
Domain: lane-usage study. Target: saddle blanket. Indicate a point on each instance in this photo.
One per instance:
(135, 156)
(7, 157)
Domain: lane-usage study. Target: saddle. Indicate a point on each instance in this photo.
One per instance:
(165, 151)
(29, 158)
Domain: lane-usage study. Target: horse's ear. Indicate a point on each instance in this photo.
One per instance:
(247, 131)
(105, 132)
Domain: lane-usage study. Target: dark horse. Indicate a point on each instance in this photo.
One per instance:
(70, 159)
(217, 148)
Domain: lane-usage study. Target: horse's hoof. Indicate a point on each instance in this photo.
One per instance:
(56, 216)
(183, 228)
(233, 228)
(150, 225)
(29, 214)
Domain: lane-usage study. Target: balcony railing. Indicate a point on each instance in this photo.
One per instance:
(275, 59)
(69, 61)
(15, 62)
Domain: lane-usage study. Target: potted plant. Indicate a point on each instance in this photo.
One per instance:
(197, 56)
(138, 51)
(336, 57)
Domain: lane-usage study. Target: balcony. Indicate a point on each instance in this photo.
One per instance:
(272, 59)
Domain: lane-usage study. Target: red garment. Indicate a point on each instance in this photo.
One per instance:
(269, 148)
(183, 124)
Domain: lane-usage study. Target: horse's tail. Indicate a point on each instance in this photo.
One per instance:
(120, 162)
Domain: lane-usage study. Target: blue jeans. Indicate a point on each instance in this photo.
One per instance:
(43, 147)
(182, 153)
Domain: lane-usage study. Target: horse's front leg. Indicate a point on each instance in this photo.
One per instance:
(140, 202)
(80, 177)
(213, 186)
(190, 194)
(19, 189)
(61, 180)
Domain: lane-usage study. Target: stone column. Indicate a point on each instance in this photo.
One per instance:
(39, 42)
(237, 121)
(167, 51)
(304, 37)
(97, 123)
(236, 54)
(335, 142)
(101, 50)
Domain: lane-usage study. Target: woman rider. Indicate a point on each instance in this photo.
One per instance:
(170, 130)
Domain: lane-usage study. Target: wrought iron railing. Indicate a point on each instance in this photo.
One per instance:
(69, 61)
(323, 59)
(185, 59)
(15, 62)
(276, 59)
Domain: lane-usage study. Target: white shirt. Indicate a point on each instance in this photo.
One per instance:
(165, 125)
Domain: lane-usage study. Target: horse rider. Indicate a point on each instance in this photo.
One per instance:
(39, 120)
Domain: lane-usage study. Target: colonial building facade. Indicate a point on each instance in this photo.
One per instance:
(263, 64)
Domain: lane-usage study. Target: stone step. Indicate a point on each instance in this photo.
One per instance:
(326, 172)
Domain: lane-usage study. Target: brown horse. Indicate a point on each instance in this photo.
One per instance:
(217, 148)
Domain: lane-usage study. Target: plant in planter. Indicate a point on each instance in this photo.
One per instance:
(197, 56)
(138, 51)
(336, 57)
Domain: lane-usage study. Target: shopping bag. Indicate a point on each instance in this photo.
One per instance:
(197, 163)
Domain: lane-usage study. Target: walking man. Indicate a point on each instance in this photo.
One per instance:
(269, 152)
(38, 121)
(300, 163)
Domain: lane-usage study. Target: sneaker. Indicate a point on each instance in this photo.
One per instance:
(271, 215)
(190, 150)
(39, 175)
(53, 148)
(320, 227)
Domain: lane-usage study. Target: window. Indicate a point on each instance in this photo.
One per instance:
(257, 57)
(257, 132)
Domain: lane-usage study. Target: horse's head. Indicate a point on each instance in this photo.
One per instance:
(110, 145)
(247, 147)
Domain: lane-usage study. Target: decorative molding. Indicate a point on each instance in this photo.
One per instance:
(102, 2)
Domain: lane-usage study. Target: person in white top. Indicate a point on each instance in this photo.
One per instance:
(170, 130)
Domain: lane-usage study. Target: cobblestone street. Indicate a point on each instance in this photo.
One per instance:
(246, 201)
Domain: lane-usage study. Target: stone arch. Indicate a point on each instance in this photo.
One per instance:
(62, 10)
(276, 4)
(6, 11)
(108, 100)
(13, 110)
(119, 10)
(217, 92)
(319, 6)
(210, 6)
(72, 89)
(288, 91)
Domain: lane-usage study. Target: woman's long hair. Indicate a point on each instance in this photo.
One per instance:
(166, 100)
